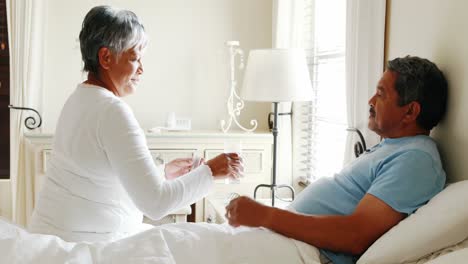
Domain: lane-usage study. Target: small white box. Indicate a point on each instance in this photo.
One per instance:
(181, 124)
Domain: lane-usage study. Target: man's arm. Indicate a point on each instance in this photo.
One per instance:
(351, 233)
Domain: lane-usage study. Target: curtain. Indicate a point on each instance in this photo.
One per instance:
(365, 34)
(287, 17)
(345, 44)
(319, 126)
(25, 31)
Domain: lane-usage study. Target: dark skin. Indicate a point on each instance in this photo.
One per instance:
(371, 218)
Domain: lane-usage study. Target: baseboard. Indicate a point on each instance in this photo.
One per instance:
(5, 199)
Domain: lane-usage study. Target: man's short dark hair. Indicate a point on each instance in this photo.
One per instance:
(420, 80)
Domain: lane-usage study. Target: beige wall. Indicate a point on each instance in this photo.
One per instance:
(5, 199)
(436, 30)
(186, 64)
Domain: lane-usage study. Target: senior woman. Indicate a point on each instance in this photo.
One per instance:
(101, 177)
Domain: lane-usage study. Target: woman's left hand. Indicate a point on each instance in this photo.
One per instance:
(177, 167)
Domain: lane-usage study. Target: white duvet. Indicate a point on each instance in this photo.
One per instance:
(174, 243)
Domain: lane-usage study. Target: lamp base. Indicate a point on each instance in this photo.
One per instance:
(273, 188)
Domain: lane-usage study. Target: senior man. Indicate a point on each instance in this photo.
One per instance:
(343, 215)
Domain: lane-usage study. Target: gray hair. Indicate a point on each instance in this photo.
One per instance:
(104, 26)
(421, 81)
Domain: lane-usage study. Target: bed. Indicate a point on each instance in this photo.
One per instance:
(435, 234)
(171, 243)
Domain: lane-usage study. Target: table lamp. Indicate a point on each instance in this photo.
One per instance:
(276, 75)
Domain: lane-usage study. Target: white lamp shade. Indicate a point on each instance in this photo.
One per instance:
(276, 75)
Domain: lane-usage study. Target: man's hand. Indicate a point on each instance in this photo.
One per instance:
(177, 167)
(247, 212)
(352, 233)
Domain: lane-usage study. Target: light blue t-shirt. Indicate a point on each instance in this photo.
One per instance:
(405, 173)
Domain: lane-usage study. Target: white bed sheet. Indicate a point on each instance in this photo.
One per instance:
(174, 243)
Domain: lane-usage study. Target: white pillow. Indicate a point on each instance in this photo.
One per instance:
(456, 257)
(442, 252)
(440, 223)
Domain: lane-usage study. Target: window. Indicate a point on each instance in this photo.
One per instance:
(4, 95)
(320, 125)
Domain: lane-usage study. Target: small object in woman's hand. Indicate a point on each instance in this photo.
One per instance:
(233, 146)
(196, 161)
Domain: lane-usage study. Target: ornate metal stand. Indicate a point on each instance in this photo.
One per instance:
(360, 146)
(235, 104)
(273, 186)
(30, 121)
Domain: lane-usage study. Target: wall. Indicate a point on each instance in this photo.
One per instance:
(5, 199)
(436, 30)
(186, 65)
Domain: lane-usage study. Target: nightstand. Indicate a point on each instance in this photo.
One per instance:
(179, 216)
(165, 146)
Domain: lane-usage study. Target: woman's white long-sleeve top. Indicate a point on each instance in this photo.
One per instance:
(101, 176)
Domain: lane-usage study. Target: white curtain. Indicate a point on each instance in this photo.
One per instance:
(362, 51)
(287, 21)
(25, 31)
(365, 35)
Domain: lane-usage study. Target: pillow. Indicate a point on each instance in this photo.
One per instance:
(440, 223)
(456, 257)
(442, 252)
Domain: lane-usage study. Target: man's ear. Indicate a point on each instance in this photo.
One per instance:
(104, 56)
(414, 109)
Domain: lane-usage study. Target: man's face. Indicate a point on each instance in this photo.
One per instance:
(385, 116)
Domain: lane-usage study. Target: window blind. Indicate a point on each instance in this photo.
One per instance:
(321, 126)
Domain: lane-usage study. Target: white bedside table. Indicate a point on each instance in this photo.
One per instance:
(179, 216)
(165, 146)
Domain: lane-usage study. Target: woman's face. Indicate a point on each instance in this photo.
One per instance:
(124, 71)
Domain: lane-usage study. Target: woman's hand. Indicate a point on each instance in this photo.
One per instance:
(178, 167)
(226, 165)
